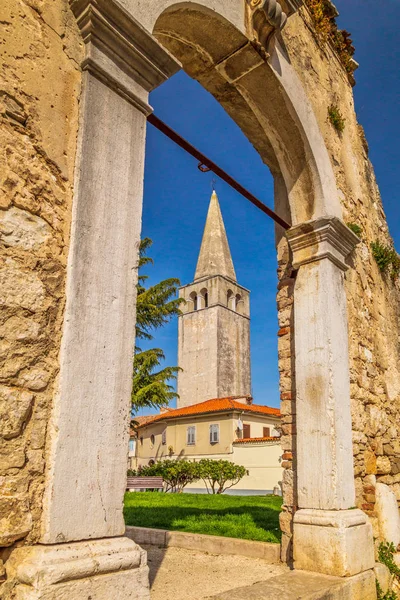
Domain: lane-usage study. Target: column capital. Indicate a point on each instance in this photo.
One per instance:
(326, 237)
(120, 52)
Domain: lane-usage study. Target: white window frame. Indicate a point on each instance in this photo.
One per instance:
(191, 435)
(214, 433)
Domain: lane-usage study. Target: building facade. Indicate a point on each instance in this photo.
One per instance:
(232, 429)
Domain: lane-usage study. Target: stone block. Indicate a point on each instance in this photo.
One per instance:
(329, 542)
(107, 569)
(15, 408)
(299, 585)
(383, 576)
(388, 514)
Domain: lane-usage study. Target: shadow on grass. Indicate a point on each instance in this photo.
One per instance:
(241, 517)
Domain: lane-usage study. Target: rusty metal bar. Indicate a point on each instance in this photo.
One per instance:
(203, 160)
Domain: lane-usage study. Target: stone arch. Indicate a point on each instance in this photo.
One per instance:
(193, 301)
(264, 97)
(239, 304)
(203, 298)
(234, 57)
(230, 299)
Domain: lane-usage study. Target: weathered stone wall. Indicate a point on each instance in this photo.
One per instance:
(39, 95)
(373, 298)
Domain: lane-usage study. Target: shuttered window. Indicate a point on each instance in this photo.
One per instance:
(266, 432)
(246, 430)
(214, 434)
(191, 436)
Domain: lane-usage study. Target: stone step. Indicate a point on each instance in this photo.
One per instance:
(302, 585)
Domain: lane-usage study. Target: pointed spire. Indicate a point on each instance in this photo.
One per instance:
(215, 255)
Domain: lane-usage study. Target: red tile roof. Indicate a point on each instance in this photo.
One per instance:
(137, 422)
(216, 405)
(258, 439)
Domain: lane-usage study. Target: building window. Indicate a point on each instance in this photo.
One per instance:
(230, 300)
(191, 436)
(239, 304)
(132, 445)
(266, 432)
(193, 301)
(246, 430)
(152, 440)
(204, 298)
(214, 434)
(164, 437)
(141, 441)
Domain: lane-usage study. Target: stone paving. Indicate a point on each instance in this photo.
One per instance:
(177, 574)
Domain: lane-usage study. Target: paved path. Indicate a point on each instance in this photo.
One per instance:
(177, 574)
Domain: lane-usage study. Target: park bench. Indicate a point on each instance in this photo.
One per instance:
(135, 484)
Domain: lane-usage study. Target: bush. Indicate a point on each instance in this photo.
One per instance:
(336, 118)
(216, 474)
(386, 258)
(177, 474)
(355, 229)
(131, 473)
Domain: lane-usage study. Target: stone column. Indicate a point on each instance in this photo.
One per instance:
(330, 536)
(82, 553)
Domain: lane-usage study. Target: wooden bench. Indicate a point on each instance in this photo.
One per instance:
(135, 484)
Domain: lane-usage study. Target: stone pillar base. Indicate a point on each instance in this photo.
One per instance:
(105, 569)
(333, 542)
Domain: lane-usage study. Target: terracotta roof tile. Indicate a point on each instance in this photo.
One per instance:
(256, 439)
(216, 405)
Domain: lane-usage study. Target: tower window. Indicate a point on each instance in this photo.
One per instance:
(204, 298)
(239, 304)
(193, 301)
(230, 300)
(152, 440)
(164, 437)
(191, 436)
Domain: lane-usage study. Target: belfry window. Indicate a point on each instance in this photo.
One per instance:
(193, 301)
(203, 298)
(230, 300)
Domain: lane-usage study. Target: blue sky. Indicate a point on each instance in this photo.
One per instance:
(177, 194)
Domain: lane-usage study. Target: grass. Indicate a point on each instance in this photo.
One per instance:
(244, 517)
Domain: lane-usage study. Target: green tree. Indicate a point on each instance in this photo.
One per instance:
(156, 305)
(220, 475)
(175, 473)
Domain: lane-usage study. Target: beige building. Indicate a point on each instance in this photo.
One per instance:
(232, 429)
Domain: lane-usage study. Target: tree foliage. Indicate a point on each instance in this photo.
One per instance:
(220, 475)
(177, 474)
(156, 306)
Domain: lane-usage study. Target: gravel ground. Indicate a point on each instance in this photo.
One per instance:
(177, 574)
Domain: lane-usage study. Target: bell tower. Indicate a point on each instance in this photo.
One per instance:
(214, 329)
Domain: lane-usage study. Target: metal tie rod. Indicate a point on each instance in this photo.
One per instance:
(211, 166)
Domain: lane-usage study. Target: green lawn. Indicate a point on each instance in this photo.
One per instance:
(245, 517)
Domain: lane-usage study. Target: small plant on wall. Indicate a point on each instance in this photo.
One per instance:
(386, 552)
(323, 15)
(336, 118)
(387, 259)
(355, 229)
